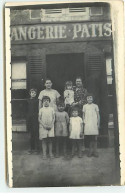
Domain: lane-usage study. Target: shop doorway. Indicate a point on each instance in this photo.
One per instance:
(64, 67)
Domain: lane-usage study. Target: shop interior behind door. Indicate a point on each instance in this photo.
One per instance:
(64, 67)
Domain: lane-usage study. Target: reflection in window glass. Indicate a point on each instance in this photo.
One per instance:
(109, 70)
(19, 75)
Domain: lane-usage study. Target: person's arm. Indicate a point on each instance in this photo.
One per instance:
(67, 118)
(57, 96)
(70, 126)
(65, 94)
(98, 119)
(40, 120)
(53, 120)
(40, 104)
(98, 116)
(81, 133)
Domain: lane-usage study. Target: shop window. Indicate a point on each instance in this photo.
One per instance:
(19, 78)
(109, 70)
(96, 11)
(35, 14)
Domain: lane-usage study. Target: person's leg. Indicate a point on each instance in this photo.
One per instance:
(95, 153)
(65, 146)
(44, 147)
(79, 144)
(90, 147)
(50, 147)
(57, 147)
(73, 147)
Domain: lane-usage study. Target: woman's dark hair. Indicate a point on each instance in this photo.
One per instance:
(79, 77)
(48, 79)
(46, 97)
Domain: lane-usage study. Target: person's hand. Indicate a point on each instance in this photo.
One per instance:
(98, 125)
(80, 102)
(81, 135)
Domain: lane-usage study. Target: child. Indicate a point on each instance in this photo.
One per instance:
(46, 126)
(91, 121)
(61, 130)
(32, 121)
(76, 131)
(68, 95)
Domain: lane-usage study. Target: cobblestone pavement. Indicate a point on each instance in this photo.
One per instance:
(33, 171)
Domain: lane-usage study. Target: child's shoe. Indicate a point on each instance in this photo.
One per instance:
(44, 157)
(95, 154)
(80, 155)
(30, 152)
(89, 154)
(57, 155)
(51, 156)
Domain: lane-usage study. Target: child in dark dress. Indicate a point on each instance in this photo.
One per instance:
(61, 129)
(32, 121)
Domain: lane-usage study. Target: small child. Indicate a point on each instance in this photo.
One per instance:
(68, 95)
(46, 126)
(61, 129)
(76, 131)
(32, 121)
(91, 121)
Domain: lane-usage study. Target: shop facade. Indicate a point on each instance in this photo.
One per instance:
(77, 42)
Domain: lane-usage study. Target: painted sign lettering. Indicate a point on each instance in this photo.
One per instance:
(71, 31)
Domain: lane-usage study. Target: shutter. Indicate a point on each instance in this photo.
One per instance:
(36, 72)
(94, 62)
(97, 84)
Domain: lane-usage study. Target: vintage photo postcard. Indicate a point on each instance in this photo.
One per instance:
(65, 93)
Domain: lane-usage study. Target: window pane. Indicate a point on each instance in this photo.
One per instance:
(96, 10)
(19, 70)
(19, 75)
(19, 84)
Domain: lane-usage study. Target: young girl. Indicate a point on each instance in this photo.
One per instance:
(68, 95)
(76, 131)
(61, 129)
(46, 126)
(91, 121)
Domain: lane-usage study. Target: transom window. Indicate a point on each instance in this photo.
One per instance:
(19, 75)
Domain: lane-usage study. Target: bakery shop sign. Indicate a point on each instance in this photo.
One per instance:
(61, 32)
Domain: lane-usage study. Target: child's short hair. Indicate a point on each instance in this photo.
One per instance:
(46, 97)
(60, 103)
(90, 95)
(74, 109)
(68, 83)
(33, 89)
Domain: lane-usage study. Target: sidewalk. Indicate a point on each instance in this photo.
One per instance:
(33, 171)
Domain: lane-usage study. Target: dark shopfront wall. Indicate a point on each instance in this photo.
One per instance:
(89, 57)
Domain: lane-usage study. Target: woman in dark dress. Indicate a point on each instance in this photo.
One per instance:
(80, 94)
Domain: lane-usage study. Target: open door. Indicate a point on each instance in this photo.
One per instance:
(64, 67)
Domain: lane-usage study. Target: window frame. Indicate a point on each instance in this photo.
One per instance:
(17, 60)
(96, 14)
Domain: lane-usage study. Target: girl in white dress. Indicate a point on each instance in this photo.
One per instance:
(76, 131)
(68, 96)
(46, 126)
(91, 120)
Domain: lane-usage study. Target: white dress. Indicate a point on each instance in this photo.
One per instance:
(91, 119)
(53, 94)
(75, 127)
(69, 97)
(47, 115)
